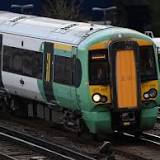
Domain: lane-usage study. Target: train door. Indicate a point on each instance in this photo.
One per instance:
(64, 75)
(48, 71)
(125, 77)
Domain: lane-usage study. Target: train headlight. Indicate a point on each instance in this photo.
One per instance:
(146, 95)
(152, 93)
(96, 97)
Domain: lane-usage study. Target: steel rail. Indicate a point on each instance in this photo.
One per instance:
(26, 143)
(43, 146)
(149, 137)
(146, 137)
(6, 157)
(124, 152)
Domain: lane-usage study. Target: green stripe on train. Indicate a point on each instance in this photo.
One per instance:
(41, 89)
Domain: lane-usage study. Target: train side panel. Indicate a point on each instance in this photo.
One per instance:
(18, 50)
(52, 83)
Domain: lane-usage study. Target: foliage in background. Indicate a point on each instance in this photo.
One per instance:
(63, 9)
(73, 10)
(121, 14)
(155, 13)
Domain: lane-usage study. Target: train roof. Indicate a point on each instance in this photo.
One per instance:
(47, 28)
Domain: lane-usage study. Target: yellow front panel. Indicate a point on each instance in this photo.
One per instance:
(101, 89)
(100, 45)
(142, 42)
(146, 86)
(126, 79)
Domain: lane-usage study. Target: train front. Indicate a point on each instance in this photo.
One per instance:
(122, 82)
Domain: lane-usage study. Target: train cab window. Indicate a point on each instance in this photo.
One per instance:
(147, 63)
(98, 67)
(22, 62)
(63, 70)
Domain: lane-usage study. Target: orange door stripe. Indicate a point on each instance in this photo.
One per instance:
(126, 79)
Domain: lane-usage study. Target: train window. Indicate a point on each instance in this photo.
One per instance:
(38, 64)
(147, 63)
(9, 60)
(98, 67)
(23, 62)
(17, 63)
(77, 72)
(63, 70)
(27, 65)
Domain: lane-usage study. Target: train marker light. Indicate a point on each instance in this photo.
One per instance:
(104, 99)
(152, 93)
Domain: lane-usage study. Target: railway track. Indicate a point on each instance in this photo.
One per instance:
(47, 150)
(120, 151)
(6, 157)
(147, 137)
(145, 147)
(13, 150)
(150, 138)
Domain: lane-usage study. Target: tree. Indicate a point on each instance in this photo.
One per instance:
(121, 14)
(155, 13)
(63, 9)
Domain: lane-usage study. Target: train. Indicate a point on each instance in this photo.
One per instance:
(102, 77)
(156, 40)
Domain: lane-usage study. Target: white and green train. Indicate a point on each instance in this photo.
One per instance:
(105, 76)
